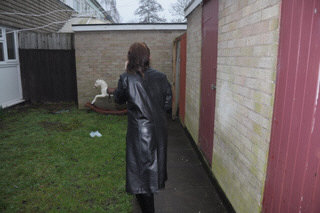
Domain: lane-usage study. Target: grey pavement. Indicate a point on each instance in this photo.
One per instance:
(189, 188)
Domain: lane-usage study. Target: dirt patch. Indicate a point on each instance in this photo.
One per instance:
(53, 108)
(23, 107)
(109, 202)
(59, 126)
(2, 137)
(50, 107)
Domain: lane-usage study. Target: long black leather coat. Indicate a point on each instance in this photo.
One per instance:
(148, 98)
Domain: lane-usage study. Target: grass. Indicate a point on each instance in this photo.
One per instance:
(49, 163)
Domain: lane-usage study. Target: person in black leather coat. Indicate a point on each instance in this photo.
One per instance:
(147, 93)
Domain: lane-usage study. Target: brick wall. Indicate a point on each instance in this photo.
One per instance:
(103, 55)
(193, 71)
(247, 57)
(34, 7)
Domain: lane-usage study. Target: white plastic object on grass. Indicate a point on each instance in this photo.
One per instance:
(94, 134)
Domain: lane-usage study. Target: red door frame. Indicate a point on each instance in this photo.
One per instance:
(293, 174)
(209, 55)
(183, 65)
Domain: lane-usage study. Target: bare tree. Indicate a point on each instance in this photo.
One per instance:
(177, 10)
(148, 11)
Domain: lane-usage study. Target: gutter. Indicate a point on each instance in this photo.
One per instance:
(129, 27)
(191, 7)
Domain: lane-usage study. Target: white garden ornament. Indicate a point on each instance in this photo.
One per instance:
(104, 87)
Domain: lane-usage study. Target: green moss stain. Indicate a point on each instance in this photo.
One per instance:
(257, 129)
(255, 151)
(240, 198)
(232, 78)
(273, 87)
(274, 76)
(274, 24)
(257, 107)
(264, 178)
(257, 97)
(272, 101)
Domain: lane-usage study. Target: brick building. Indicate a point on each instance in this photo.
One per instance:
(193, 70)
(251, 58)
(101, 52)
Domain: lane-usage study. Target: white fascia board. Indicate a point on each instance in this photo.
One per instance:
(130, 27)
(192, 7)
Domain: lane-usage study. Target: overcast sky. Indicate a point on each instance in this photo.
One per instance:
(126, 9)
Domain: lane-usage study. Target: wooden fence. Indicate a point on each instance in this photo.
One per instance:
(48, 75)
(47, 64)
(47, 41)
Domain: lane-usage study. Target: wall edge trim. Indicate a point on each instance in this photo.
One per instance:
(191, 7)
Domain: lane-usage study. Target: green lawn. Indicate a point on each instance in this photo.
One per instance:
(49, 163)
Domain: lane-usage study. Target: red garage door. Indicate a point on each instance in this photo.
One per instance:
(183, 62)
(208, 76)
(293, 175)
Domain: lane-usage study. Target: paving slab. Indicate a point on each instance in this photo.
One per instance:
(189, 188)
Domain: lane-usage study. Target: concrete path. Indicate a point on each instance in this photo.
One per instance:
(189, 188)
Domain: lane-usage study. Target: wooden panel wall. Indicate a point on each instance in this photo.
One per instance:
(34, 7)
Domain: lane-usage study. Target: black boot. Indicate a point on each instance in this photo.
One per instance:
(146, 202)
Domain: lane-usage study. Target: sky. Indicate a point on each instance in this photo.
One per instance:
(126, 9)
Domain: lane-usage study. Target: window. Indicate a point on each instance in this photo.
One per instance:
(11, 47)
(8, 46)
(2, 58)
(87, 8)
(76, 5)
(82, 7)
(1, 51)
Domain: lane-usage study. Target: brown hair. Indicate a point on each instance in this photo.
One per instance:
(138, 58)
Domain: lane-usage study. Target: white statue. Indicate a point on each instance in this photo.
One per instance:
(104, 87)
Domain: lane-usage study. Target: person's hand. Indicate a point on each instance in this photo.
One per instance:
(111, 90)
